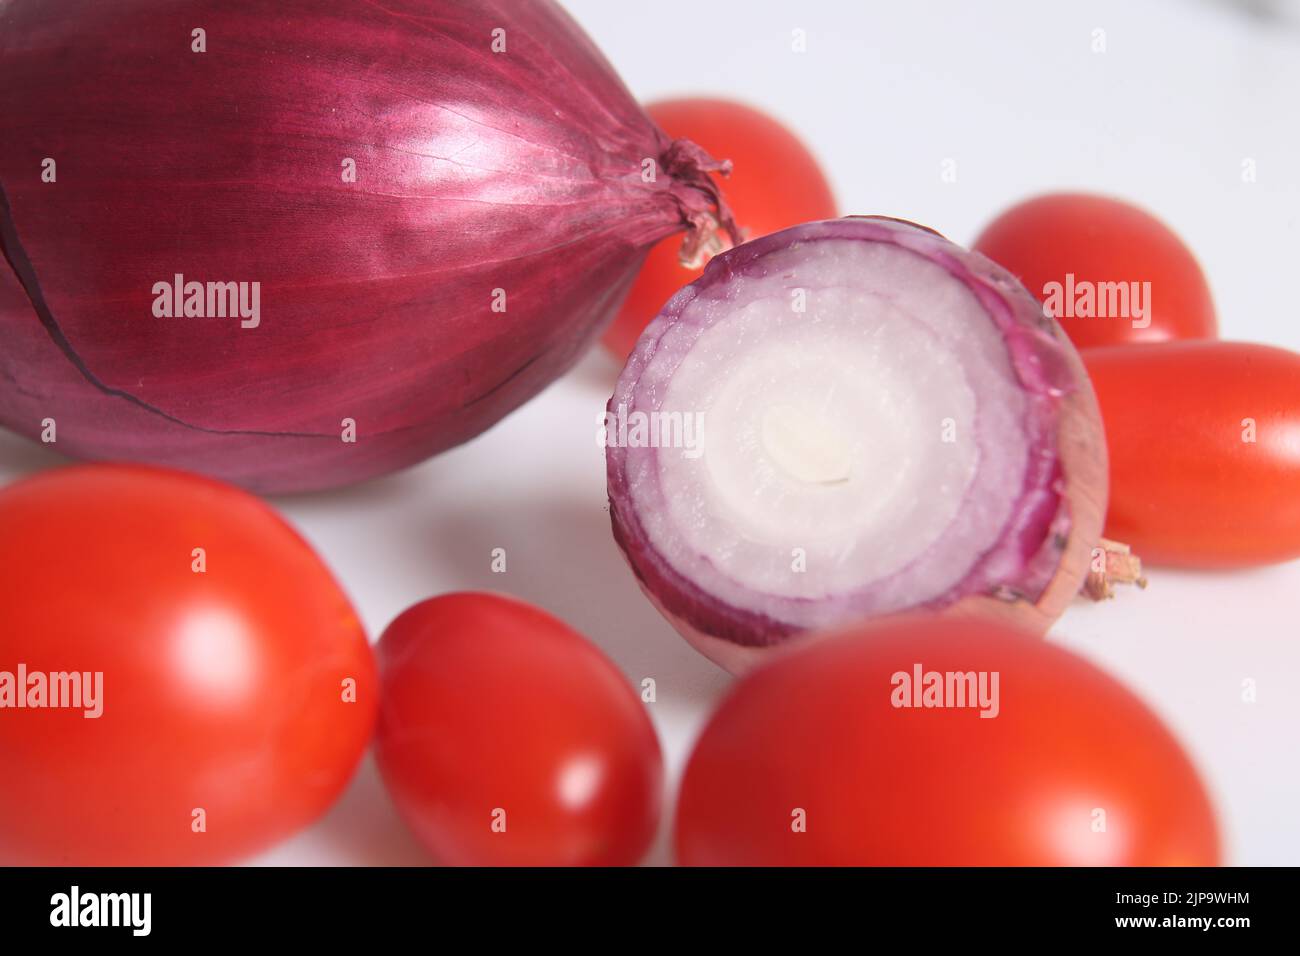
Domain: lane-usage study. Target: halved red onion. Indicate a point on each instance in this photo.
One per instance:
(851, 419)
(439, 202)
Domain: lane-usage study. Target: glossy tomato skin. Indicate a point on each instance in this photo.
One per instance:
(1102, 240)
(222, 690)
(1186, 486)
(775, 182)
(814, 737)
(507, 739)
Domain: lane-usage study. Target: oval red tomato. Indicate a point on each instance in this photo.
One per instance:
(505, 738)
(235, 688)
(775, 182)
(1204, 441)
(811, 760)
(1109, 271)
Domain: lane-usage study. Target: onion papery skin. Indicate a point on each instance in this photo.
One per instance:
(1040, 556)
(475, 171)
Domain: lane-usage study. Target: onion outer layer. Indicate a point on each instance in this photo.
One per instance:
(504, 189)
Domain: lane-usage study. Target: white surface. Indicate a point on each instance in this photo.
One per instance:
(884, 94)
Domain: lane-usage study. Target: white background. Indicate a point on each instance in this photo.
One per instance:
(1013, 92)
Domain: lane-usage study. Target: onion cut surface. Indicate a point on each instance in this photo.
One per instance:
(850, 419)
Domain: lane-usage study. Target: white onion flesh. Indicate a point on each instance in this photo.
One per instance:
(872, 419)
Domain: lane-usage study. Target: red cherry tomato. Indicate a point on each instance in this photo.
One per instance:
(224, 724)
(775, 182)
(1089, 258)
(507, 739)
(1204, 441)
(810, 762)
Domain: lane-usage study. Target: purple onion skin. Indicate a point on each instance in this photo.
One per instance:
(476, 171)
(1043, 557)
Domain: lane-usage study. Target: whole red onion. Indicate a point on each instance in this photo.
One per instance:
(855, 419)
(405, 219)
